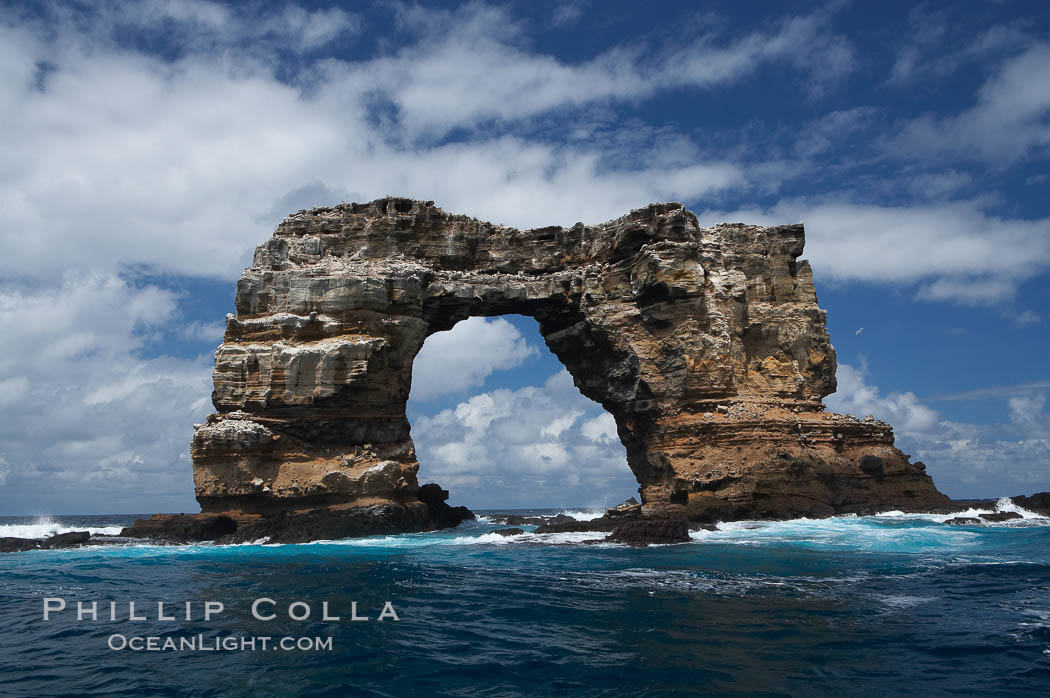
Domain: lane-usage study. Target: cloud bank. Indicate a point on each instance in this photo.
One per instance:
(87, 417)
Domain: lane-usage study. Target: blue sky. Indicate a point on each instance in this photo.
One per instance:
(149, 146)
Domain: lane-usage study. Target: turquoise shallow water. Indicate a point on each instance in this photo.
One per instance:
(871, 606)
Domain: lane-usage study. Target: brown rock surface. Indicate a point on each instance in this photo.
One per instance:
(705, 344)
(185, 528)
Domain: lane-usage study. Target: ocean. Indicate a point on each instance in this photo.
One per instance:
(889, 605)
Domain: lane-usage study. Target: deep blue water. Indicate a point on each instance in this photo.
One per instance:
(873, 606)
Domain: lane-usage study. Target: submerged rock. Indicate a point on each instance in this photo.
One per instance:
(509, 532)
(963, 521)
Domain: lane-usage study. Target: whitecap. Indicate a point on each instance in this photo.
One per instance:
(904, 600)
(1007, 504)
(869, 533)
(1003, 504)
(46, 526)
(584, 514)
(417, 540)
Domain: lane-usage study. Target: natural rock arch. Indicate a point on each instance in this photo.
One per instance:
(705, 344)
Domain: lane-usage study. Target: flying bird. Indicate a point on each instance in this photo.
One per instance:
(859, 331)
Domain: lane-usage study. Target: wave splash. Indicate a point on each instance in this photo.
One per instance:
(1003, 504)
(585, 514)
(46, 526)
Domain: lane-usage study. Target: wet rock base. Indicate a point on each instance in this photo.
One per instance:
(381, 517)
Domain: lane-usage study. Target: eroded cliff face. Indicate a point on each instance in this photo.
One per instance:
(705, 344)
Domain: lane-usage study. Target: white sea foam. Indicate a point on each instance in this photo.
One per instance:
(584, 514)
(727, 584)
(417, 540)
(839, 532)
(578, 514)
(898, 601)
(1007, 504)
(1003, 504)
(45, 527)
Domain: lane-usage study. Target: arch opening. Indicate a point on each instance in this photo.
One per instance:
(496, 418)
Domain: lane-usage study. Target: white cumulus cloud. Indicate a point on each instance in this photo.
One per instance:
(965, 460)
(903, 411)
(601, 429)
(525, 447)
(461, 358)
(1008, 122)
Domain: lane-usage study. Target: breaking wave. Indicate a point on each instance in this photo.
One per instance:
(46, 526)
(417, 540)
(585, 514)
(1004, 504)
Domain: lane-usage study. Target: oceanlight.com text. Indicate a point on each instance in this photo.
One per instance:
(223, 643)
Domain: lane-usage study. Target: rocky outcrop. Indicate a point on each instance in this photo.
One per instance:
(72, 539)
(706, 345)
(650, 532)
(963, 521)
(603, 523)
(1000, 516)
(185, 528)
(1038, 503)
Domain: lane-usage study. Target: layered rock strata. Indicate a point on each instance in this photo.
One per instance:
(706, 344)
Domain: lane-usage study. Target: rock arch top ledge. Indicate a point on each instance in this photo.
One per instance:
(705, 344)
